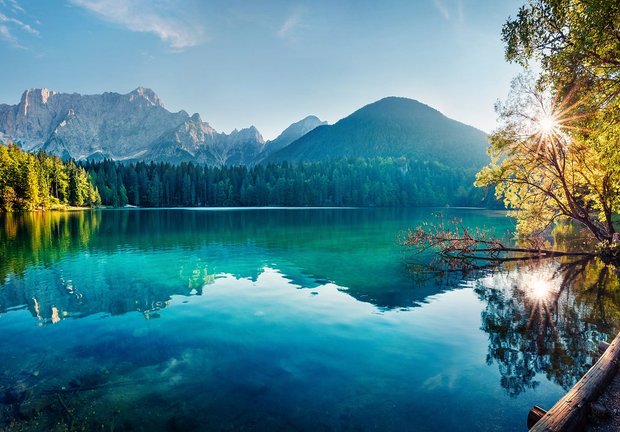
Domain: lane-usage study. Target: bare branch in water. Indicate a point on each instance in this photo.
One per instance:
(455, 241)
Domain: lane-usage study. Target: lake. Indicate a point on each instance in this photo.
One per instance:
(282, 319)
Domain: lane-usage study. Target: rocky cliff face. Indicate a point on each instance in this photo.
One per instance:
(133, 126)
(71, 125)
(196, 141)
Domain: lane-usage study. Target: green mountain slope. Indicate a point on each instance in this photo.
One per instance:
(393, 127)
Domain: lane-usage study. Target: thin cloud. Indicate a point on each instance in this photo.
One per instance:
(15, 6)
(292, 22)
(11, 28)
(449, 12)
(148, 17)
(5, 35)
(20, 24)
(442, 9)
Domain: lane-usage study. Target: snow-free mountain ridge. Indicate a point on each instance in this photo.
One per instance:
(137, 126)
(132, 126)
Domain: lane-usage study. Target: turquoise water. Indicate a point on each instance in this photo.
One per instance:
(280, 319)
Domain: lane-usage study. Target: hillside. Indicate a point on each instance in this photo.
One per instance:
(392, 127)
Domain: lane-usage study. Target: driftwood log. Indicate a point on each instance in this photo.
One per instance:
(569, 414)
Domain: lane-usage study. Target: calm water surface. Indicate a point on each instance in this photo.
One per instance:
(281, 319)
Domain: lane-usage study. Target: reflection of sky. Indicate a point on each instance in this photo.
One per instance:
(266, 347)
(310, 317)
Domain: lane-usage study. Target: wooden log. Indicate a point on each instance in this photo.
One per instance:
(534, 416)
(570, 413)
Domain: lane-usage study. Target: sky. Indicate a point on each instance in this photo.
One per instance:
(265, 63)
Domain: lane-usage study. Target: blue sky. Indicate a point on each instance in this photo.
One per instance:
(263, 62)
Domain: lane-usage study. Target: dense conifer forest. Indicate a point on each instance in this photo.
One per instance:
(378, 182)
(30, 181)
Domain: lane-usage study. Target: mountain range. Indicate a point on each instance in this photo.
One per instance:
(133, 126)
(137, 126)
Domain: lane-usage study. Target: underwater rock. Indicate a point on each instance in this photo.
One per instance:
(13, 396)
(599, 410)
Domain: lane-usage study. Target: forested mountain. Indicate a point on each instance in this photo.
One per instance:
(133, 126)
(393, 127)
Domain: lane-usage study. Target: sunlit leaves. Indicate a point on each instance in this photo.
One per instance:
(39, 181)
(559, 171)
(577, 45)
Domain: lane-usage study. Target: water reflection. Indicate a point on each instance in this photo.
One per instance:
(256, 319)
(62, 265)
(547, 317)
(42, 238)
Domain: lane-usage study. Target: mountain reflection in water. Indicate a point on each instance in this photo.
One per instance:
(120, 261)
(290, 319)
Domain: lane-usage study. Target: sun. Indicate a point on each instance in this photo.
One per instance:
(548, 125)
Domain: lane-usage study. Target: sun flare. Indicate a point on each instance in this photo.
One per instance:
(539, 289)
(539, 286)
(548, 125)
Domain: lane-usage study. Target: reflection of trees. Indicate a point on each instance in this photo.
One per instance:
(45, 239)
(309, 247)
(42, 238)
(548, 317)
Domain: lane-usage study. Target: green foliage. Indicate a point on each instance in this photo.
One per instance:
(574, 40)
(573, 170)
(39, 181)
(547, 175)
(379, 182)
(9, 198)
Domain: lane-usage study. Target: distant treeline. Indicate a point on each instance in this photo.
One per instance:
(29, 181)
(379, 182)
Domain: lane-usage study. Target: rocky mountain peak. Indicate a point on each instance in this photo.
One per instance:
(294, 132)
(311, 120)
(249, 133)
(132, 126)
(148, 94)
(35, 97)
